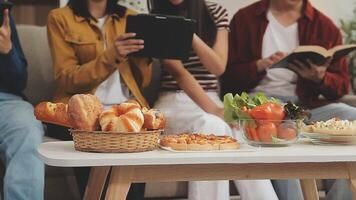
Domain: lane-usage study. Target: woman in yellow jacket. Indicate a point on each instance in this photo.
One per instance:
(90, 50)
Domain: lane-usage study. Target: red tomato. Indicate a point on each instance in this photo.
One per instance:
(287, 133)
(278, 111)
(268, 111)
(266, 131)
(262, 112)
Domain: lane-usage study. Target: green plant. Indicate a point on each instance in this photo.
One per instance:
(348, 28)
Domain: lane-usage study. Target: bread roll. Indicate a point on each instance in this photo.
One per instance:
(154, 119)
(53, 113)
(84, 111)
(126, 117)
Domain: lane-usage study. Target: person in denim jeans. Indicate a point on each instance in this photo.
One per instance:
(20, 132)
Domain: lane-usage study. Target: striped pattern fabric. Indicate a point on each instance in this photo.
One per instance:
(208, 81)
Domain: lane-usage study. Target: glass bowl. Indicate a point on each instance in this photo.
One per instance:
(269, 132)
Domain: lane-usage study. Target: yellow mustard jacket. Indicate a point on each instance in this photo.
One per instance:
(81, 63)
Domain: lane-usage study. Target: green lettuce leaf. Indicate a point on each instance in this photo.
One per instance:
(233, 105)
(233, 108)
(230, 108)
(278, 140)
(260, 99)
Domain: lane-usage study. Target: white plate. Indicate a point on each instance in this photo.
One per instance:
(243, 148)
(321, 138)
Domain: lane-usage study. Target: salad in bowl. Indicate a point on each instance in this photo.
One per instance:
(263, 120)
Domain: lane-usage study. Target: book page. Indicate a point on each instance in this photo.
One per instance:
(341, 47)
(313, 48)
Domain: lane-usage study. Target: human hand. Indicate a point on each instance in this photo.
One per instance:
(5, 34)
(196, 41)
(310, 71)
(234, 125)
(218, 111)
(125, 45)
(263, 64)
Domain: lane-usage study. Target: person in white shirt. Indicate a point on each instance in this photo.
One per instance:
(90, 52)
(262, 34)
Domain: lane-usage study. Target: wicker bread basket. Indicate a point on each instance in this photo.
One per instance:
(113, 142)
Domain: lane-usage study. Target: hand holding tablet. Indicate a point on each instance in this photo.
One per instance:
(168, 37)
(125, 44)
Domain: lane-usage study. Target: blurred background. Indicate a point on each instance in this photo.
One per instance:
(35, 11)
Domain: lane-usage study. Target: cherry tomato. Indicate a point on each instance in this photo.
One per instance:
(278, 111)
(268, 111)
(266, 131)
(287, 133)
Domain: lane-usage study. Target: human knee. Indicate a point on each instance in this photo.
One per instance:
(343, 110)
(20, 110)
(23, 131)
(23, 120)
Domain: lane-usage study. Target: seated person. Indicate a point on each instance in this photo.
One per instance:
(261, 35)
(89, 48)
(189, 90)
(20, 132)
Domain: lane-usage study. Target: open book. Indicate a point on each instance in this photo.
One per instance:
(316, 54)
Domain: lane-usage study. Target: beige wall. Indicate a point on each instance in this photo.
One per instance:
(336, 9)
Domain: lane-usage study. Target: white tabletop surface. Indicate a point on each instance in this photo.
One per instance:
(63, 154)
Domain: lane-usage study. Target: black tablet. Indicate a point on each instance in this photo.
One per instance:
(167, 37)
(3, 7)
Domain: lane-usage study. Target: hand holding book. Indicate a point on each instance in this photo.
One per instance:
(265, 63)
(310, 70)
(316, 54)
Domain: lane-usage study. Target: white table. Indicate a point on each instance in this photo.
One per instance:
(301, 161)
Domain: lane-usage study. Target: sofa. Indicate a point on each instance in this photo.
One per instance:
(60, 182)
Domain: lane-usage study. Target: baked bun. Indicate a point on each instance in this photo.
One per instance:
(126, 117)
(53, 113)
(154, 119)
(84, 111)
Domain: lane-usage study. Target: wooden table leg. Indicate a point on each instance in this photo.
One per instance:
(310, 191)
(120, 181)
(96, 183)
(353, 188)
(352, 179)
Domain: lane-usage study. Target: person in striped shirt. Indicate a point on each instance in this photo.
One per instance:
(189, 94)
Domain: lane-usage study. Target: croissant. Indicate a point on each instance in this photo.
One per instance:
(53, 113)
(126, 117)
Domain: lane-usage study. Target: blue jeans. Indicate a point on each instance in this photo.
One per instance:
(20, 135)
